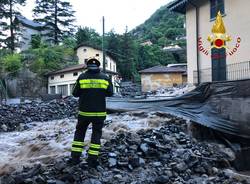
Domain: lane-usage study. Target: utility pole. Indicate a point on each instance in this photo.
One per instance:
(103, 49)
(12, 38)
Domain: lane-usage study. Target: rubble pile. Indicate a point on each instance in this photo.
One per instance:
(130, 89)
(170, 91)
(12, 117)
(164, 155)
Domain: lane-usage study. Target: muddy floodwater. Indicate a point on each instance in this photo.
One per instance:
(45, 141)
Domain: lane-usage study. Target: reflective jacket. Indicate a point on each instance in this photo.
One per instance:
(92, 87)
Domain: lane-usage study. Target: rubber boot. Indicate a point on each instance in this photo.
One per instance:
(92, 161)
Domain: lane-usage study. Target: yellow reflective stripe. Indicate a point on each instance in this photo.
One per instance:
(87, 86)
(97, 146)
(91, 152)
(78, 143)
(88, 81)
(76, 149)
(92, 113)
(93, 83)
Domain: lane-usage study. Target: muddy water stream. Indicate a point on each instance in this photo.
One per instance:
(44, 141)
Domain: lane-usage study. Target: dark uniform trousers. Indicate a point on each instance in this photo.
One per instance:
(78, 143)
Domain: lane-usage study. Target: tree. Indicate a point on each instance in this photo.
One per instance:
(113, 42)
(128, 63)
(58, 17)
(36, 41)
(88, 36)
(8, 11)
(49, 58)
(12, 63)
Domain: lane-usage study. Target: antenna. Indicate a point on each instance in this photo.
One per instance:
(103, 49)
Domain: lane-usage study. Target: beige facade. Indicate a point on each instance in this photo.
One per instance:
(154, 81)
(85, 52)
(62, 81)
(237, 24)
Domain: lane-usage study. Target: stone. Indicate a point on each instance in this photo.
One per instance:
(134, 162)
(144, 148)
(92, 181)
(7, 180)
(4, 127)
(118, 176)
(112, 162)
(39, 179)
(141, 161)
(59, 182)
(157, 164)
(214, 170)
(51, 181)
(122, 164)
(112, 155)
(60, 165)
(28, 181)
(181, 167)
(162, 179)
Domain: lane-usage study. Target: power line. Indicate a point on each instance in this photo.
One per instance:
(119, 54)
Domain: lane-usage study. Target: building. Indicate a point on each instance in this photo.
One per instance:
(218, 39)
(173, 48)
(163, 76)
(85, 52)
(27, 29)
(146, 43)
(62, 81)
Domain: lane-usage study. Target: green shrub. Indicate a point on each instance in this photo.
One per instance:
(12, 62)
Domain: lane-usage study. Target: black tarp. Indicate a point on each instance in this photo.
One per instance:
(223, 106)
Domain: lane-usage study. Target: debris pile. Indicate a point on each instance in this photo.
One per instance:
(12, 117)
(162, 155)
(130, 89)
(170, 91)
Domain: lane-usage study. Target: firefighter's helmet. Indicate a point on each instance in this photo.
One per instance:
(93, 63)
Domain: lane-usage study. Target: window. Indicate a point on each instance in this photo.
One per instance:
(107, 64)
(52, 90)
(75, 74)
(52, 77)
(215, 7)
(63, 89)
(84, 50)
(61, 76)
(71, 88)
(97, 55)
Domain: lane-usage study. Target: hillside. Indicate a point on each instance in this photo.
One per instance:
(162, 28)
(149, 44)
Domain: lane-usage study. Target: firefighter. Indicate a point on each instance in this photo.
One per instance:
(91, 87)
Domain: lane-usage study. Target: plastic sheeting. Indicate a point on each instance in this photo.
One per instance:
(223, 106)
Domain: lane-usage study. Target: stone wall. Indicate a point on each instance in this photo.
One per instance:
(26, 84)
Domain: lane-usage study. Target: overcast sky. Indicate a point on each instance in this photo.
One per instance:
(118, 13)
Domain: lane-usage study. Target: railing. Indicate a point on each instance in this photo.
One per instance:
(236, 71)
